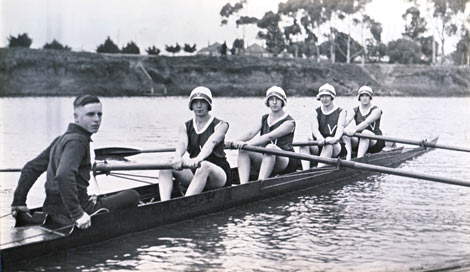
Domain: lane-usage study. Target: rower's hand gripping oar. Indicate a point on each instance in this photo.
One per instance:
(353, 164)
(423, 143)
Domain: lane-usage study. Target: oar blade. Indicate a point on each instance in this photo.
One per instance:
(115, 152)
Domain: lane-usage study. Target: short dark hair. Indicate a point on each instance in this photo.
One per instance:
(85, 99)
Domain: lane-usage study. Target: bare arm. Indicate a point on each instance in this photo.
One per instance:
(250, 133)
(218, 135)
(314, 125)
(340, 126)
(182, 144)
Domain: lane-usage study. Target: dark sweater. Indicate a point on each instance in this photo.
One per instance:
(67, 161)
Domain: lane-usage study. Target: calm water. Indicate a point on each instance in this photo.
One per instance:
(382, 223)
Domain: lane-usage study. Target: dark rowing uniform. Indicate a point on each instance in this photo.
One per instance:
(328, 124)
(284, 142)
(374, 128)
(197, 139)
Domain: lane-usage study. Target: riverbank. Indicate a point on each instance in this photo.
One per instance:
(32, 72)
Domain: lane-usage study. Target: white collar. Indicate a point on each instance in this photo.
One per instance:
(205, 125)
(330, 111)
(277, 121)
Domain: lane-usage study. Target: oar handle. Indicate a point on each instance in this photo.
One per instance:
(423, 143)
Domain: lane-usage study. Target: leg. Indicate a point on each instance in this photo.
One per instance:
(165, 183)
(364, 144)
(272, 163)
(314, 150)
(208, 174)
(326, 152)
(125, 199)
(245, 159)
(348, 146)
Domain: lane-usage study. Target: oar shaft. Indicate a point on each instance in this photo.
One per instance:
(306, 143)
(11, 170)
(412, 142)
(122, 167)
(355, 165)
(169, 149)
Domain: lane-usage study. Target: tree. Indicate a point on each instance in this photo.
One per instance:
(21, 41)
(56, 45)
(416, 25)
(153, 50)
(341, 46)
(189, 49)
(461, 56)
(131, 48)
(173, 49)
(108, 47)
(223, 49)
(404, 51)
(238, 47)
(271, 33)
(445, 11)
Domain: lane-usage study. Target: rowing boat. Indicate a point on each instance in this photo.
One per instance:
(27, 242)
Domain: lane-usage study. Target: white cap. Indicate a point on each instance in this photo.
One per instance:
(365, 90)
(277, 92)
(327, 89)
(203, 93)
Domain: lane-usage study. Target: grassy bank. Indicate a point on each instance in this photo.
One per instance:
(30, 72)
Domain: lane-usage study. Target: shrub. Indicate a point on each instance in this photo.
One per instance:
(56, 45)
(131, 48)
(153, 51)
(108, 47)
(21, 41)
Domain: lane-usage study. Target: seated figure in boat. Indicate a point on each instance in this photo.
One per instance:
(68, 165)
(365, 119)
(276, 131)
(327, 125)
(202, 138)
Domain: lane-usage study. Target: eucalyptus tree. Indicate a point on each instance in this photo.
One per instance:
(446, 14)
(271, 33)
(416, 25)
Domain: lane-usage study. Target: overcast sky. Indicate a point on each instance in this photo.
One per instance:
(84, 24)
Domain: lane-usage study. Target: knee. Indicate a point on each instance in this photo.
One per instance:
(271, 146)
(203, 169)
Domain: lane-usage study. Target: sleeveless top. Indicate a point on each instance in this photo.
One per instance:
(359, 118)
(327, 123)
(284, 142)
(197, 140)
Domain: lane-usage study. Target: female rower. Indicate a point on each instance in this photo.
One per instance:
(203, 138)
(327, 123)
(366, 119)
(276, 132)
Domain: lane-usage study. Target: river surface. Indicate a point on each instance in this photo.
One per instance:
(380, 223)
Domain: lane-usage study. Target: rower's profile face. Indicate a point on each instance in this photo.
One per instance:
(275, 103)
(200, 107)
(326, 99)
(365, 99)
(89, 116)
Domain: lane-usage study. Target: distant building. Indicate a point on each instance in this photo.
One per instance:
(211, 50)
(257, 50)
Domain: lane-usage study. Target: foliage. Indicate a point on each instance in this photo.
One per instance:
(238, 47)
(153, 51)
(404, 51)
(416, 25)
(56, 45)
(228, 10)
(340, 47)
(246, 20)
(223, 49)
(108, 47)
(189, 49)
(461, 56)
(131, 48)
(271, 33)
(173, 49)
(21, 41)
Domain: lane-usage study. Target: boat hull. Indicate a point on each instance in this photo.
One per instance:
(150, 215)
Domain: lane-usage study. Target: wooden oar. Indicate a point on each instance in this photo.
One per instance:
(125, 151)
(355, 165)
(11, 170)
(412, 142)
(105, 167)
